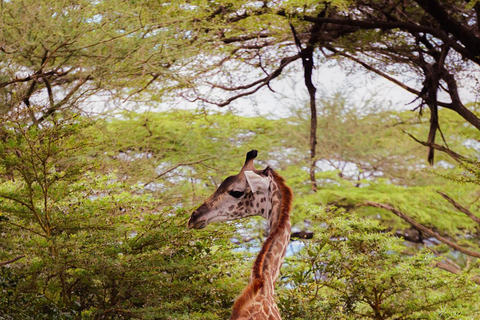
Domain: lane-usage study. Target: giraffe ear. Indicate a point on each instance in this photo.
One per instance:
(256, 181)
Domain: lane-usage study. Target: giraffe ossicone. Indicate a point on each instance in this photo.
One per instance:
(253, 192)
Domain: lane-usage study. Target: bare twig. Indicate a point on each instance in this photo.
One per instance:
(423, 229)
(448, 266)
(455, 156)
(154, 77)
(179, 165)
(460, 208)
(3, 263)
(256, 85)
(58, 105)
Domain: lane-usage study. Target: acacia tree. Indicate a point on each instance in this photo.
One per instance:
(219, 52)
(428, 48)
(249, 44)
(55, 55)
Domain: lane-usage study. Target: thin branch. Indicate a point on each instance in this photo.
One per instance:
(378, 72)
(423, 229)
(259, 84)
(7, 83)
(231, 99)
(34, 76)
(453, 269)
(460, 208)
(50, 92)
(242, 87)
(154, 77)
(263, 81)
(179, 165)
(57, 106)
(17, 200)
(455, 156)
(30, 206)
(25, 228)
(3, 263)
(246, 37)
(4, 50)
(390, 25)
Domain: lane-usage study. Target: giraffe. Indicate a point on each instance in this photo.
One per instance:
(253, 192)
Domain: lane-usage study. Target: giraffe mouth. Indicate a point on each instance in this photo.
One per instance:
(196, 224)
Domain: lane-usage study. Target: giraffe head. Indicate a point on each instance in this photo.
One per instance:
(242, 195)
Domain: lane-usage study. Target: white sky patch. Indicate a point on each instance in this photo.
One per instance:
(472, 144)
(444, 164)
(290, 91)
(287, 92)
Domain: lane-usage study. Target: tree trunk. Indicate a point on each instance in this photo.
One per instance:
(307, 60)
(308, 68)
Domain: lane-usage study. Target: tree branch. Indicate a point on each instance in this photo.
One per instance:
(50, 92)
(259, 84)
(452, 106)
(455, 156)
(406, 26)
(460, 208)
(154, 77)
(246, 37)
(58, 105)
(3, 263)
(448, 24)
(179, 165)
(25, 228)
(378, 72)
(456, 104)
(308, 66)
(453, 269)
(17, 200)
(423, 229)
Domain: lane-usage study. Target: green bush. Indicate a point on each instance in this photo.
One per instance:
(354, 269)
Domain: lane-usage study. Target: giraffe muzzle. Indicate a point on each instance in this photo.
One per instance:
(197, 219)
(196, 224)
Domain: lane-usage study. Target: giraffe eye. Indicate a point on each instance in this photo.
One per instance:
(236, 194)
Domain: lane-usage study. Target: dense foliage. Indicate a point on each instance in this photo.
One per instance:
(353, 269)
(93, 205)
(98, 210)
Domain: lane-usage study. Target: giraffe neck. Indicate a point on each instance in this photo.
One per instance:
(266, 267)
(270, 258)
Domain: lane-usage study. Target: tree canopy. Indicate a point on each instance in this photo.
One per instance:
(93, 205)
(216, 53)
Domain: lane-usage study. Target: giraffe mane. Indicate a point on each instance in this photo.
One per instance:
(258, 279)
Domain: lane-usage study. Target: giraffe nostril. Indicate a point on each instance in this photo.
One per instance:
(196, 221)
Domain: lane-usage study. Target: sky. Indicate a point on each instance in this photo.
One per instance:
(290, 91)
